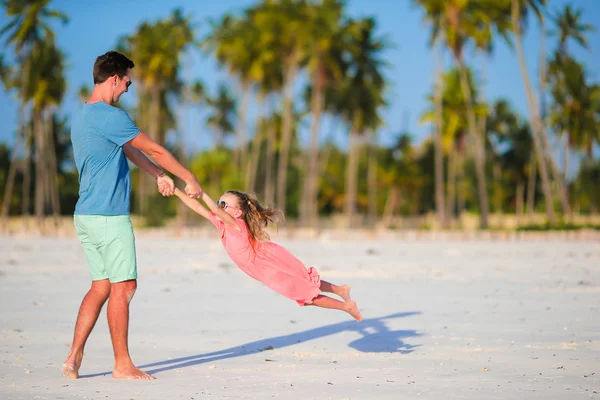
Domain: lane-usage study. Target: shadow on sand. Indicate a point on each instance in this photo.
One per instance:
(376, 338)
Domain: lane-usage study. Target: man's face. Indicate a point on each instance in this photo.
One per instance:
(121, 85)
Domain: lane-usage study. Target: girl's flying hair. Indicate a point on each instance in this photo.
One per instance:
(256, 216)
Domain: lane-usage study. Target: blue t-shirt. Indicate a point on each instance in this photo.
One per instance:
(98, 133)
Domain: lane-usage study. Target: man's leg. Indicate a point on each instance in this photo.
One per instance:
(86, 319)
(118, 322)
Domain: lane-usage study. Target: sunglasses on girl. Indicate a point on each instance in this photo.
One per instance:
(224, 205)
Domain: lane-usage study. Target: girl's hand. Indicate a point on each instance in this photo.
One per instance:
(165, 184)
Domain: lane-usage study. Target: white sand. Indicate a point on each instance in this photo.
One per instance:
(443, 320)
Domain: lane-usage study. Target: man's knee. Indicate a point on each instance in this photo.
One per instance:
(125, 289)
(101, 288)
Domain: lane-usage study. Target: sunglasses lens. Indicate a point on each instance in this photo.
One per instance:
(221, 204)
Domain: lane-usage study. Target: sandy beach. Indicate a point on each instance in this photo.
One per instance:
(443, 320)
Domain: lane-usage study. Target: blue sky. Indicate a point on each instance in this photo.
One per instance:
(95, 27)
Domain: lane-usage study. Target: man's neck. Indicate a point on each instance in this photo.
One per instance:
(98, 94)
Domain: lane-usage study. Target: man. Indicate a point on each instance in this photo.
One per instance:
(104, 137)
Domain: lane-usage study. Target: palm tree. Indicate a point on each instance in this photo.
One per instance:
(269, 82)
(518, 10)
(363, 89)
(570, 27)
(514, 136)
(285, 21)
(325, 64)
(158, 46)
(27, 29)
(438, 146)
(565, 72)
(454, 125)
(576, 108)
(222, 118)
(235, 42)
(461, 23)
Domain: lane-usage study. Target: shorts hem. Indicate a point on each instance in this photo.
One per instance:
(122, 279)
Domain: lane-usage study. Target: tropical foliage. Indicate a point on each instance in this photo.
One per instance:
(269, 137)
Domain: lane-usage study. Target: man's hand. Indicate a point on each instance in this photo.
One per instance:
(165, 184)
(193, 189)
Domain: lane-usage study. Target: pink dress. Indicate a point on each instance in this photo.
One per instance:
(269, 263)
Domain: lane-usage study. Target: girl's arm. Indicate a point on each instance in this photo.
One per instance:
(219, 212)
(193, 204)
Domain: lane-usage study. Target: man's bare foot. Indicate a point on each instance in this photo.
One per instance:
(344, 292)
(131, 373)
(71, 366)
(71, 371)
(352, 309)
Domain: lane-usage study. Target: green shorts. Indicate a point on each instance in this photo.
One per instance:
(109, 245)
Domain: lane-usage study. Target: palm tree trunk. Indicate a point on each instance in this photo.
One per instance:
(390, 206)
(531, 184)
(451, 206)
(144, 120)
(269, 161)
(497, 189)
(478, 145)
(351, 178)
(21, 134)
(52, 166)
(8, 189)
(543, 74)
(558, 178)
(534, 121)
(312, 210)
(27, 170)
(40, 168)
(155, 134)
(286, 137)
(565, 174)
(372, 180)
(252, 167)
(461, 184)
(12, 172)
(519, 201)
(442, 215)
(562, 184)
(254, 156)
(240, 151)
(326, 154)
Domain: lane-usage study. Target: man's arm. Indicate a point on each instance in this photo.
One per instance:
(166, 160)
(166, 186)
(139, 159)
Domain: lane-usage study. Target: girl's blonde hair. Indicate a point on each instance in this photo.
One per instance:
(256, 216)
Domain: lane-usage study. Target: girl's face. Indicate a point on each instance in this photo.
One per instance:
(231, 204)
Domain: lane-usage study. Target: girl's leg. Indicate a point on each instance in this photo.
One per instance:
(327, 302)
(342, 291)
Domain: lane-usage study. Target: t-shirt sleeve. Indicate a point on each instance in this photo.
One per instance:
(119, 128)
(220, 225)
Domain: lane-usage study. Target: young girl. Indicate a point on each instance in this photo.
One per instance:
(241, 222)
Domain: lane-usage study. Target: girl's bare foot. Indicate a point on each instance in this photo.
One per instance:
(344, 292)
(71, 371)
(352, 309)
(131, 373)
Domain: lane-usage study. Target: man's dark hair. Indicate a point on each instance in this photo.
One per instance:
(109, 64)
